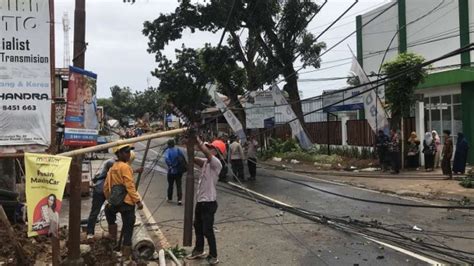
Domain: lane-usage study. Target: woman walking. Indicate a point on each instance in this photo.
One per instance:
(437, 141)
(413, 155)
(460, 156)
(429, 150)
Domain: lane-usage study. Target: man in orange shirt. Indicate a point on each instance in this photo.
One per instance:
(122, 174)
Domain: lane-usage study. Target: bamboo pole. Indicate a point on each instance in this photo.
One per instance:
(122, 142)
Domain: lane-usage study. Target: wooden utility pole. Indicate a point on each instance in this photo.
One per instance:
(189, 201)
(74, 253)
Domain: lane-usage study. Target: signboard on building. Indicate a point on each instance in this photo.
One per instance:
(261, 109)
(25, 73)
(82, 124)
(332, 100)
(45, 180)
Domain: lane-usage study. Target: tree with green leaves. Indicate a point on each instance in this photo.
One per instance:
(275, 40)
(183, 83)
(400, 92)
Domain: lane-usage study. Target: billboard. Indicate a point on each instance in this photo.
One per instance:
(262, 109)
(25, 73)
(81, 123)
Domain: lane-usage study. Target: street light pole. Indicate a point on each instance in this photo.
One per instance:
(74, 254)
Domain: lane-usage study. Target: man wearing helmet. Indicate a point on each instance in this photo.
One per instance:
(206, 205)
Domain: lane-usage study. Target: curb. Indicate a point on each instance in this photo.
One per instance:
(153, 229)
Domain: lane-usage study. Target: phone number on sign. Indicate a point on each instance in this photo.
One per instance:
(19, 107)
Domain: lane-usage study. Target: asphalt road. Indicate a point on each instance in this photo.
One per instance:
(249, 233)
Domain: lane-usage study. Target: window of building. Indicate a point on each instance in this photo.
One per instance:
(444, 112)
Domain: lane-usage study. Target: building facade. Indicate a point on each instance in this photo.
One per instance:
(430, 28)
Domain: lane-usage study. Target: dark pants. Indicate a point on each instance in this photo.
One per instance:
(252, 163)
(395, 157)
(429, 161)
(238, 168)
(128, 220)
(175, 178)
(383, 154)
(446, 166)
(98, 200)
(204, 226)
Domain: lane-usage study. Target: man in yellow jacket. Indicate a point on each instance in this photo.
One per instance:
(122, 174)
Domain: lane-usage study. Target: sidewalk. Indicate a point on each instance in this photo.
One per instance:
(420, 184)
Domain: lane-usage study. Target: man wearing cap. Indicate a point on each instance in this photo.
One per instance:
(122, 174)
(206, 205)
(98, 197)
(175, 174)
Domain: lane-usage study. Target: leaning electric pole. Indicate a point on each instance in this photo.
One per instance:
(74, 253)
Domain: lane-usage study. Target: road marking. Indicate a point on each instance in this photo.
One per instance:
(406, 252)
(399, 249)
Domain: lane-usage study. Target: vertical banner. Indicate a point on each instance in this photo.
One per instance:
(297, 130)
(373, 107)
(46, 177)
(25, 73)
(81, 124)
(233, 122)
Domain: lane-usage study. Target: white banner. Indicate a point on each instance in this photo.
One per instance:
(297, 130)
(373, 107)
(25, 75)
(261, 109)
(233, 122)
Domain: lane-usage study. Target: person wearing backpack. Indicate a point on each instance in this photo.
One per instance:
(122, 196)
(176, 163)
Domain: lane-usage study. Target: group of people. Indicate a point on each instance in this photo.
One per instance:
(114, 185)
(388, 148)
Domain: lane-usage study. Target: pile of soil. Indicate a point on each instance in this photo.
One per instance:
(102, 253)
(36, 248)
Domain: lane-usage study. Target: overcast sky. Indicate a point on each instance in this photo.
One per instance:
(117, 48)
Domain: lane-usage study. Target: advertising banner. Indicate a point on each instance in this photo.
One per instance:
(81, 124)
(25, 73)
(231, 119)
(46, 177)
(297, 130)
(373, 106)
(262, 109)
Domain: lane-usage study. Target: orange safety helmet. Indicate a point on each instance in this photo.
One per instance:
(219, 144)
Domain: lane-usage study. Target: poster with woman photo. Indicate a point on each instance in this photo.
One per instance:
(46, 177)
(81, 123)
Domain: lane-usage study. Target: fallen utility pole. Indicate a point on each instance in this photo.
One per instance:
(74, 252)
(123, 141)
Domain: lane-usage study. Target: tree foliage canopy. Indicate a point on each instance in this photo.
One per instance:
(400, 92)
(276, 38)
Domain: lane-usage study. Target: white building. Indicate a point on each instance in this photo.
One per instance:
(430, 28)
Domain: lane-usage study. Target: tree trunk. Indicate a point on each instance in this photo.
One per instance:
(291, 87)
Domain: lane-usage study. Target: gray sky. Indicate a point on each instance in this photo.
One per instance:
(117, 48)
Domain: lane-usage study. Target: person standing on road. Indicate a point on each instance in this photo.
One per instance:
(119, 176)
(460, 156)
(437, 141)
(429, 150)
(173, 155)
(383, 142)
(252, 146)
(98, 197)
(447, 154)
(206, 205)
(395, 151)
(236, 158)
